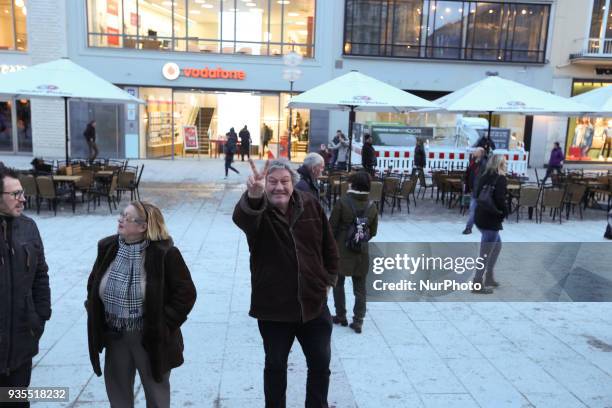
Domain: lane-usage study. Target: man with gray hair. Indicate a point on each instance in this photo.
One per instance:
(309, 172)
(294, 262)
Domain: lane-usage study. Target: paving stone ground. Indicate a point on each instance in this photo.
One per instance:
(409, 355)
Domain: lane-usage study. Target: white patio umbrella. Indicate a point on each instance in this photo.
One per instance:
(600, 99)
(498, 95)
(358, 92)
(62, 79)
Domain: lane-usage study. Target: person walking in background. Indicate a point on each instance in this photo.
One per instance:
(353, 260)
(309, 172)
(230, 147)
(245, 142)
(555, 163)
(475, 168)
(24, 286)
(335, 141)
(293, 261)
(368, 155)
(90, 137)
(490, 213)
(420, 161)
(139, 293)
(326, 154)
(341, 149)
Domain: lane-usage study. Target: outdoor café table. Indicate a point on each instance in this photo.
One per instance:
(70, 181)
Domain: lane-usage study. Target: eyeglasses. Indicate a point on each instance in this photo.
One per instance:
(16, 194)
(125, 217)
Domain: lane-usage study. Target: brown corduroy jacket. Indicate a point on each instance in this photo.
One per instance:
(294, 259)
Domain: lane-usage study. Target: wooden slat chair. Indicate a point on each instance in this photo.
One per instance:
(574, 197)
(85, 183)
(106, 190)
(28, 183)
(407, 188)
(48, 191)
(376, 192)
(126, 179)
(552, 198)
(529, 197)
(424, 185)
(390, 188)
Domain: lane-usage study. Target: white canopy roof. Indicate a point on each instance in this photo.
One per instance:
(62, 79)
(600, 99)
(495, 94)
(361, 92)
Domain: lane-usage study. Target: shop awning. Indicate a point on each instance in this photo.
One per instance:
(599, 99)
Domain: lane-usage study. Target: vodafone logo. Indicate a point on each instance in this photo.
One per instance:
(171, 71)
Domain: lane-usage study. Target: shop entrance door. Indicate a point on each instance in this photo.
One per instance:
(6, 125)
(15, 126)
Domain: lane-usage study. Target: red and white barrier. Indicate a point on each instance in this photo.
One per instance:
(402, 158)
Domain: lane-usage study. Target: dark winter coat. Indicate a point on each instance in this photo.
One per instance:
(342, 216)
(90, 133)
(556, 157)
(486, 220)
(368, 156)
(169, 296)
(306, 183)
(294, 259)
(25, 297)
(419, 156)
(231, 144)
(245, 140)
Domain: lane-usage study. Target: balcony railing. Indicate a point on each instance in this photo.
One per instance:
(596, 47)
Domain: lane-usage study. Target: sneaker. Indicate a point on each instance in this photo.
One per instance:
(340, 320)
(467, 231)
(356, 326)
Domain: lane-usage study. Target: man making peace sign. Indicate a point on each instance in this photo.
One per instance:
(294, 261)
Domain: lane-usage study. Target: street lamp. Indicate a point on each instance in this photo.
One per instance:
(291, 73)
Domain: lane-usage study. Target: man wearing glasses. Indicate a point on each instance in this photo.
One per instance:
(25, 297)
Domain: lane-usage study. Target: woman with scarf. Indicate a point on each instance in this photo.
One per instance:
(139, 294)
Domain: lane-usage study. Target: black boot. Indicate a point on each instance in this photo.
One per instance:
(340, 320)
(356, 325)
(483, 289)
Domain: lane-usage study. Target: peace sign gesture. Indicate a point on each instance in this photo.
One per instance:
(256, 181)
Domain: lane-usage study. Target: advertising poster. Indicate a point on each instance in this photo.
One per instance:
(191, 137)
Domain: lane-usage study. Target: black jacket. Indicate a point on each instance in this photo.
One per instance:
(90, 133)
(419, 156)
(306, 183)
(169, 296)
(25, 297)
(368, 156)
(294, 258)
(245, 137)
(486, 220)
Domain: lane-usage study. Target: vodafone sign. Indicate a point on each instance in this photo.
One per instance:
(171, 72)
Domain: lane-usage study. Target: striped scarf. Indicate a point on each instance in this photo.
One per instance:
(123, 298)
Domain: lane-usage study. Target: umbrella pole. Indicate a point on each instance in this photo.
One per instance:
(489, 131)
(66, 124)
(350, 134)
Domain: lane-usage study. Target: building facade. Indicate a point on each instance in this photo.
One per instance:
(204, 66)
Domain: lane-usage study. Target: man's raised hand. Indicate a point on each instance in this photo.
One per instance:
(256, 181)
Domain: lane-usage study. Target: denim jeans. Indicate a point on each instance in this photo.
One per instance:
(490, 247)
(471, 212)
(315, 338)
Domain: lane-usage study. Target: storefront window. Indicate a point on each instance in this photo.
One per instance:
(6, 126)
(157, 122)
(257, 27)
(589, 138)
(13, 33)
(24, 126)
(110, 131)
(453, 29)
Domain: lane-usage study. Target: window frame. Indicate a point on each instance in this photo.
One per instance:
(507, 31)
(173, 39)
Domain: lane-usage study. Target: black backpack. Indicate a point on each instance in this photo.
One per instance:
(486, 201)
(358, 233)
